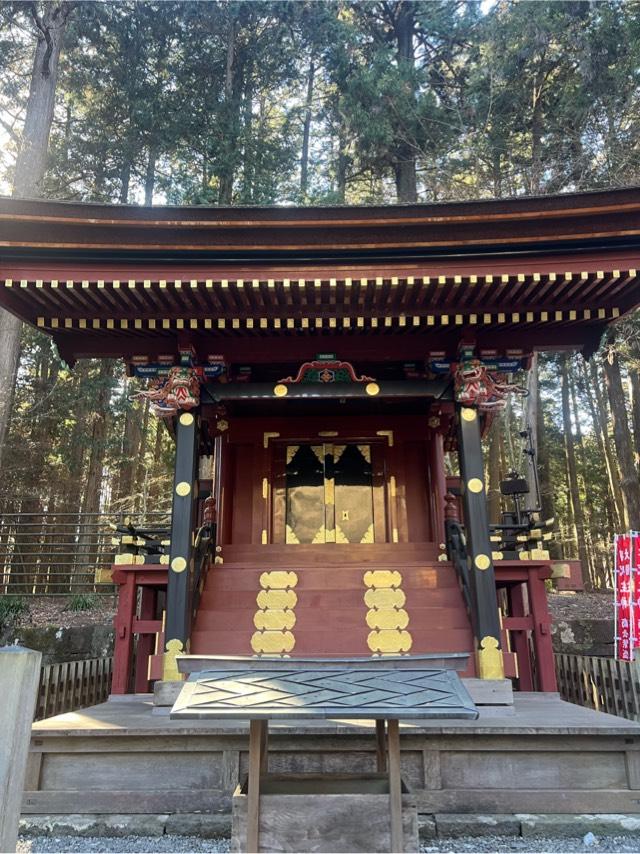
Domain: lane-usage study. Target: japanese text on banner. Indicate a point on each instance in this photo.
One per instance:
(624, 593)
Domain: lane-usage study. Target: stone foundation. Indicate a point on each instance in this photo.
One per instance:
(430, 826)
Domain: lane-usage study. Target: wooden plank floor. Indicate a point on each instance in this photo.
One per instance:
(533, 713)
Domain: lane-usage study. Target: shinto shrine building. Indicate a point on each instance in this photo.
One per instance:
(316, 365)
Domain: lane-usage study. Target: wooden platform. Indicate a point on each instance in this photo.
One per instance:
(544, 756)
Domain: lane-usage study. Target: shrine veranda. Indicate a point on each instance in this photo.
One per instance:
(315, 366)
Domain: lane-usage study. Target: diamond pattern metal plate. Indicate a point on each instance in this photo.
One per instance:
(343, 692)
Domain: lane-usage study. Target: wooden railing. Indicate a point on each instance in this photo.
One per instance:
(603, 684)
(457, 554)
(73, 685)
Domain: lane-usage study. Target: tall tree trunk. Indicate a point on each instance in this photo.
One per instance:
(405, 172)
(141, 469)
(88, 539)
(342, 164)
(306, 132)
(535, 176)
(404, 154)
(50, 21)
(99, 430)
(616, 513)
(574, 491)
(580, 475)
(532, 404)
(226, 172)
(249, 154)
(634, 377)
(150, 176)
(622, 437)
(155, 489)
(546, 488)
(612, 464)
(27, 564)
(125, 179)
(493, 465)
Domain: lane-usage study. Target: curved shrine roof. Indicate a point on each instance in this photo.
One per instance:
(543, 272)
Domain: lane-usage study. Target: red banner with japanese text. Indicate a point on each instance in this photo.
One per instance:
(635, 586)
(626, 548)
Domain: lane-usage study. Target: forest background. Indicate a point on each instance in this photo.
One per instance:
(245, 103)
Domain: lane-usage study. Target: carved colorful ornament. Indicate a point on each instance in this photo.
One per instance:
(475, 386)
(327, 371)
(179, 391)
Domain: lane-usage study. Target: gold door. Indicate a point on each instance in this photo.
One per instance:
(329, 494)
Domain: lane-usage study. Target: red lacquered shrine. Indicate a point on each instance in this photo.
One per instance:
(315, 365)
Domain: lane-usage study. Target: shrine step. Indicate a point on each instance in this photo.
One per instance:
(350, 641)
(363, 554)
(331, 610)
(240, 617)
(245, 576)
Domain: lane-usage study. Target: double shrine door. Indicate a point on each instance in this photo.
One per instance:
(329, 492)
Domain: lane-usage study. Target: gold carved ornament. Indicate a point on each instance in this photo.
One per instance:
(489, 659)
(275, 616)
(386, 616)
(170, 672)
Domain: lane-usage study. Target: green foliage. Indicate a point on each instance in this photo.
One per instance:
(205, 103)
(82, 602)
(12, 608)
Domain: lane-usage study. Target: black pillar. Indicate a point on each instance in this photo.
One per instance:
(177, 622)
(476, 519)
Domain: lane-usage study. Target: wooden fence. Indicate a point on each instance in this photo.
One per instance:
(73, 685)
(603, 684)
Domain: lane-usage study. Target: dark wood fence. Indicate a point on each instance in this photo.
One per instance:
(73, 685)
(603, 684)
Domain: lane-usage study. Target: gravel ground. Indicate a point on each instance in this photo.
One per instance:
(535, 844)
(119, 844)
(168, 844)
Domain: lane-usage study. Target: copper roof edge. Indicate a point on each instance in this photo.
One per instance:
(596, 201)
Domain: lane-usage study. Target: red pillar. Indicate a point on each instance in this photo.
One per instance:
(439, 485)
(519, 638)
(545, 663)
(144, 647)
(123, 646)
